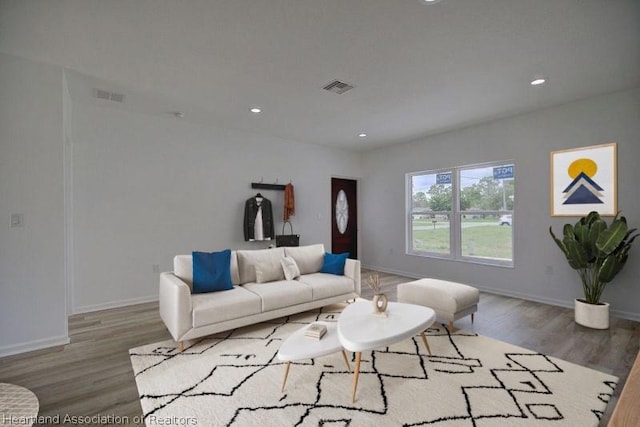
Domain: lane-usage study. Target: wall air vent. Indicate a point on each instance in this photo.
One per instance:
(109, 96)
(338, 87)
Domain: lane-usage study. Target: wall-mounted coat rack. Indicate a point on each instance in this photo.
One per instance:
(262, 186)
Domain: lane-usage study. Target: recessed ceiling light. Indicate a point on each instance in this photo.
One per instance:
(255, 110)
(538, 82)
(362, 135)
(429, 1)
(178, 114)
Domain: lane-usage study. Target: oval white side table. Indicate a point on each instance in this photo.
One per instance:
(18, 405)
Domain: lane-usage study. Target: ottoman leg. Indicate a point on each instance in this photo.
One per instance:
(472, 317)
(451, 326)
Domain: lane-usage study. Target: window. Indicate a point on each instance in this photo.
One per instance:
(463, 213)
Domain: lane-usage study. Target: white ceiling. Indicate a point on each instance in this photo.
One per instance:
(418, 70)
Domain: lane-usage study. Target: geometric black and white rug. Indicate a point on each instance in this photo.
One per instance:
(234, 379)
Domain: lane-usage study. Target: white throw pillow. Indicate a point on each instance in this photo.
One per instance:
(268, 271)
(248, 259)
(290, 268)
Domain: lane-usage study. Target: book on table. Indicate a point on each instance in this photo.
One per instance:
(316, 330)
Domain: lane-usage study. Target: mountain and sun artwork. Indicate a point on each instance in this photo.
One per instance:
(584, 179)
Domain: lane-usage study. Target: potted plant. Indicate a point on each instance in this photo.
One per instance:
(598, 252)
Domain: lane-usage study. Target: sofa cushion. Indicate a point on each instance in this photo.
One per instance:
(309, 258)
(247, 261)
(334, 263)
(220, 306)
(283, 293)
(211, 271)
(325, 285)
(269, 271)
(290, 268)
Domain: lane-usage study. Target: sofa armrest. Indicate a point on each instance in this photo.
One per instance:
(352, 270)
(175, 305)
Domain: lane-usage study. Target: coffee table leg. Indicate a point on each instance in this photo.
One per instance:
(286, 373)
(426, 343)
(356, 372)
(344, 355)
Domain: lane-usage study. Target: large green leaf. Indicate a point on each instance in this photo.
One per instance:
(629, 234)
(581, 232)
(611, 238)
(597, 227)
(567, 231)
(576, 254)
(609, 268)
(592, 217)
(559, 242)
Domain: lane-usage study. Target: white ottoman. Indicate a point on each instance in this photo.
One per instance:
(450, 300)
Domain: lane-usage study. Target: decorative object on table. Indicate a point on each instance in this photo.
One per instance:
(380, 300)
(290, 240)
(315, 330)
(258, 219)
(289, 202)
(232, 379)
(597, 252)
(583, 180)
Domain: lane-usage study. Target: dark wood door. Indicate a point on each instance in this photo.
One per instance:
(344, 217)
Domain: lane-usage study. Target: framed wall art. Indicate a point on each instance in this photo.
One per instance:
(584, 180)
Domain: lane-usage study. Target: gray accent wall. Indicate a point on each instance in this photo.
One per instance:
(149, 187)
(32, 275)
(109, 196)
(540, 272)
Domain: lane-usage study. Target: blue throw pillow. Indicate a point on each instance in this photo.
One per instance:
(334, 263)
(211, 271)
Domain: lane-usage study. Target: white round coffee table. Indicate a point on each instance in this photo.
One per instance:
(300, 347)
(18, 405)
(359, 329)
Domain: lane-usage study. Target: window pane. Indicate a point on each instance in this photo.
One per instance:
(486, 205)
(431, 234)
(483, 237)
(431, 211)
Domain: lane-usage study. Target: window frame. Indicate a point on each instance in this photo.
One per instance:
(455, 217)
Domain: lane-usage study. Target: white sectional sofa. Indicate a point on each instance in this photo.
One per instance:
(189, 316)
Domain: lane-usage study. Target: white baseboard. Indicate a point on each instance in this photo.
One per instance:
(33, 345)
(114, 304)
(536, 298)
(626, 315)
(391, 271)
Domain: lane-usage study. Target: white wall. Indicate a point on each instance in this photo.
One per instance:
(146, 188)
(32, 286)
(528, 139)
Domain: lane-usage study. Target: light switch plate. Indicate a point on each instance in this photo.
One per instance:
(17, 220)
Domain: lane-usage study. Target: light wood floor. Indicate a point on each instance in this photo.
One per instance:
(93, 375)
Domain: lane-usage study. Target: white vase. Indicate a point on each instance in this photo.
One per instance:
(379, 303)
(594, 316)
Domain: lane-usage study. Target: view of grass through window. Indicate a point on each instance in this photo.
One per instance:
(479, 225)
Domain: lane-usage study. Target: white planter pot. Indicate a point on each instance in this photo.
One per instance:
(594, 316)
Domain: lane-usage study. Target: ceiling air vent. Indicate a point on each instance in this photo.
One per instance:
(109, 96)
(338, 87)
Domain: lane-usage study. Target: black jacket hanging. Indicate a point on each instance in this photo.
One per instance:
(250, 211)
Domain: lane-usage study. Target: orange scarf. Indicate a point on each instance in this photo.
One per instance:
(289, 202)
